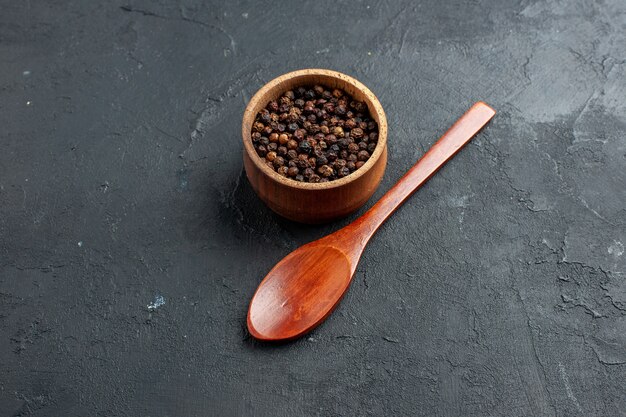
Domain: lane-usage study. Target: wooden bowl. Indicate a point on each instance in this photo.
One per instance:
(314, 202)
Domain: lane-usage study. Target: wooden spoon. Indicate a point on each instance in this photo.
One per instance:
(305, 286)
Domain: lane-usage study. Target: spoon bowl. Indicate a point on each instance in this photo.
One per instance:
(299, 292)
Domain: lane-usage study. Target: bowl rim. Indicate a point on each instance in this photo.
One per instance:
(249, 116)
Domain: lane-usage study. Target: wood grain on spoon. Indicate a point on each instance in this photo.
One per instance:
(305, 286)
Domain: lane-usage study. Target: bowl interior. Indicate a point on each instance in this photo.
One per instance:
(331, 79)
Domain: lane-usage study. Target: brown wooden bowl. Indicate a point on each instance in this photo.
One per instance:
(314, 202)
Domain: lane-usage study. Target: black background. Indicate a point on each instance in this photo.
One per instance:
(497, 290)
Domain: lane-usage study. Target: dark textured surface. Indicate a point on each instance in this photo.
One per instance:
(498, 290)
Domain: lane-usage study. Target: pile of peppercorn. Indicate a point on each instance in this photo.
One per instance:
(314, 134)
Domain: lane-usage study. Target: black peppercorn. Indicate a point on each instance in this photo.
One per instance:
(299, 134)
(273, 106)
(261, 150)
(360, 107)
(371, 147)
(342, 172)
(317, 151)
(292, 154)
(279, 161)
(309, 95)
(363, 155)
(349, 124)
(271, 156)
(338, 131)
(258, 127)
(292, 144)
(292, 172)
(351, 165)
(302, 164)
(272, 147)
(282, 171)
(343, 143)
(325, 171)
(304, 147)
(282, 151)
(294, 115)
(265, 117)
(356, 133)
(339, 163)
(321, 160)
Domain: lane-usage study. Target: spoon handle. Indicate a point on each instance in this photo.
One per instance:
(446, 147)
